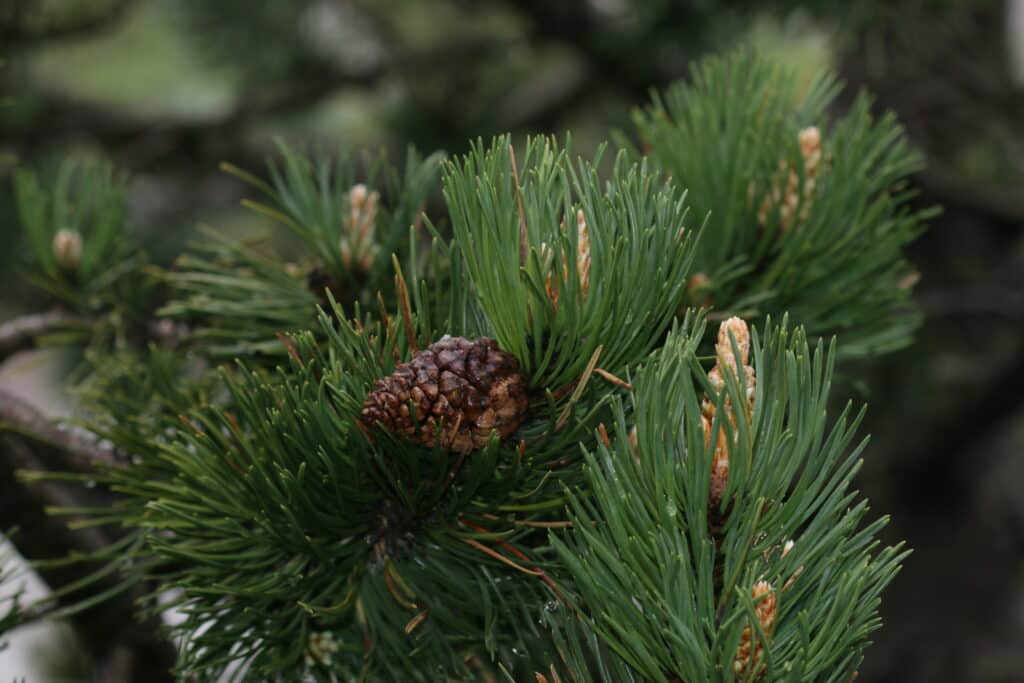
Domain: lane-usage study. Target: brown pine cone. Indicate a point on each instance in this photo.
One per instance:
(468, 387)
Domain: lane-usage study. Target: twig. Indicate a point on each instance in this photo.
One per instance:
(21, 333)
(60, 447)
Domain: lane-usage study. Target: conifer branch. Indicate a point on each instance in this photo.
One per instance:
(324, 517)
(36, 329)
(59, 447)
(24, 332)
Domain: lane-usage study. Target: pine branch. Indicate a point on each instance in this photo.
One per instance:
(59, 447)
(23, 333)
(799, 558)
(550, 249)
(347, 214)
(311, 520)
(807, 216)
(35, 330)
(414, 534)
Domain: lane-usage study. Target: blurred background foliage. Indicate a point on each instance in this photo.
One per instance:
(167, 89)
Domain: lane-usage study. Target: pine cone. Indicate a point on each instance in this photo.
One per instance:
(461, 390)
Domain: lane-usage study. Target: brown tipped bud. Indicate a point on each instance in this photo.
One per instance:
(583, 252)
(357, 246)
(723, 347)
(67, 248)
(455, 393)
(810, 149)
(786, 195)
(767, 607)
(346, 253)
(357, 195)
(810, 142)
(750, 652)
(719, 470)
(727, 362)
(547, 257)
(582, 261)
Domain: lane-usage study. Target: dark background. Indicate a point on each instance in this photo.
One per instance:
(168, 89)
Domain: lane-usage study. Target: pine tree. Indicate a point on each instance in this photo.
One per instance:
(571, 427)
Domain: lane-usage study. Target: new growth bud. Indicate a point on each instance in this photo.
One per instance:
(582, 261)
(357, 242)
(786, 193)
(67, 248)
(733, 329)
(750, 652)
(582, 252)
